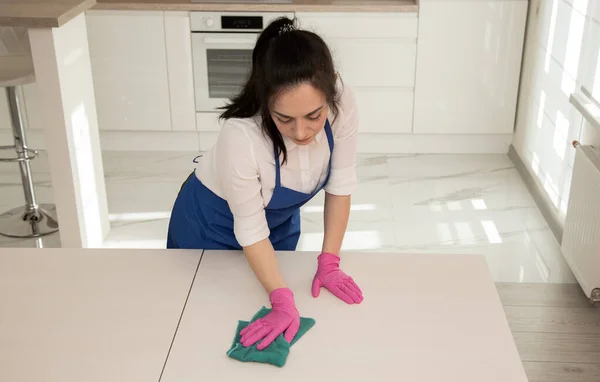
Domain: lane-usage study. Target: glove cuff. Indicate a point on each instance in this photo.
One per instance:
(282, 297)
(328, 260)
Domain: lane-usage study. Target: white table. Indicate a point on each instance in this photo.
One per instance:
(424, 318)
(73, 315)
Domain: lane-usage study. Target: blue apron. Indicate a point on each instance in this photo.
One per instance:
(202, 220)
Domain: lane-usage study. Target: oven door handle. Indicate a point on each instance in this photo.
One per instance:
(248, 40)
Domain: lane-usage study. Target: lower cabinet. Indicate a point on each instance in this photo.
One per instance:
(468, 66)
(384, 110)
(129, 65)
(375, 54)
(462, 79)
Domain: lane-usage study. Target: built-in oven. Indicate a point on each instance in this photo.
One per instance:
(222, 44)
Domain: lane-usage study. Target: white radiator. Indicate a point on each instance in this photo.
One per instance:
(581, 238)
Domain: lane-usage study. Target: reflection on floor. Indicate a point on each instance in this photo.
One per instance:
(450, 204)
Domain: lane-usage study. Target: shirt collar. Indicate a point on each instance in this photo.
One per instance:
(290, 144)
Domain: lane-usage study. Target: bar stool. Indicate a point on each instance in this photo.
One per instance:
(31, 219)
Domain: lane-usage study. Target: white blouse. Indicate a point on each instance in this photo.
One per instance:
(240, 167)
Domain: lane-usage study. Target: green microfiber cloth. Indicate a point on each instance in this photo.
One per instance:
(276, 353)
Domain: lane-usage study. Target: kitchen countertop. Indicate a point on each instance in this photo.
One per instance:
(295, 5)
(55, 13)
(41, 13)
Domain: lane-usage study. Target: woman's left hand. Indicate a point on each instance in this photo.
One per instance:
(330, 276)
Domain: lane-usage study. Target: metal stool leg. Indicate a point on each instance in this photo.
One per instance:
(30, 220)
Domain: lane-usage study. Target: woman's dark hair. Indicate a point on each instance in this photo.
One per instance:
(283, 57)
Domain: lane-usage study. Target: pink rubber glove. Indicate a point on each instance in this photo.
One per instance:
(330, 276)
(284, 317)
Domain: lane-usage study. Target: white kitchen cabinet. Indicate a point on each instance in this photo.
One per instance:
(360, 24)
(129, 64)
(375, 54)
(384, 110)
(381, 110)
(468, 66)
(180, 71)
(370, 49)
(375, 62)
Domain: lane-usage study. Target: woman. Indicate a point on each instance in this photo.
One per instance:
(290, 133)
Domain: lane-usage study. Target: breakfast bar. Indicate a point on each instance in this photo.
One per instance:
(71, 315)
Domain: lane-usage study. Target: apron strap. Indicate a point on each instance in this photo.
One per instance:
(277, 168)
(329, 134)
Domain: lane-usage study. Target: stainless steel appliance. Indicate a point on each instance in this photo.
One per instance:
(222, 44)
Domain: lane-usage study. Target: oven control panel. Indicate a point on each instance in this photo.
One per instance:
(240, 22)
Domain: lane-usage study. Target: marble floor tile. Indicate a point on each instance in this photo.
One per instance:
(423, 167)
(442, 204)
(49, 241)
(147, 232)
(362, 235)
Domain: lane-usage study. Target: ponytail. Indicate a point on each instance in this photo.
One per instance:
(283, 56)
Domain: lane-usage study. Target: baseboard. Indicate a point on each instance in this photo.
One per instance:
(414, 143)
(539, 196)
(367, 143)
(149, 140)
(434, 143)
(123, 140)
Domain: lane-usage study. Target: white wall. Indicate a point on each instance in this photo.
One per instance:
(561, 54)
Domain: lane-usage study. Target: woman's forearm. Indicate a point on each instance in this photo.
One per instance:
(262, 260)
(337, 212)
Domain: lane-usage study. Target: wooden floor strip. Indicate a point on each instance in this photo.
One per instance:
(558, 347)
(556, 330)
(548, 295)
(553, 319)
(561, 372)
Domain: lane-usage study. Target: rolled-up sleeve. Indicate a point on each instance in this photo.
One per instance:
(342, 180)
(240, 183)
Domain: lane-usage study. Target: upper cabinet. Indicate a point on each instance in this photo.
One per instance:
(468, 66)
(129, 64)
(375, 53)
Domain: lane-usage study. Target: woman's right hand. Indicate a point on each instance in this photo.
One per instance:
(284, 317)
